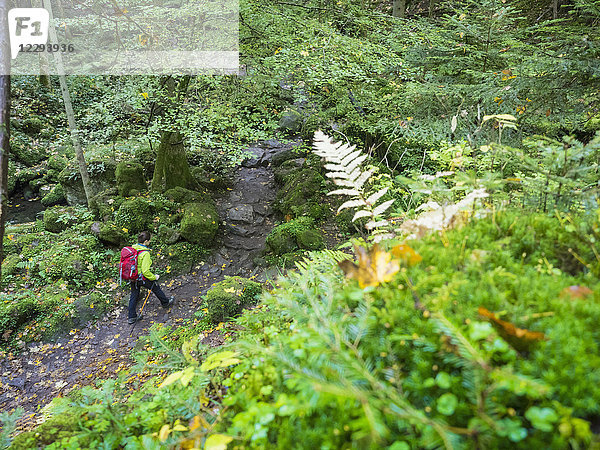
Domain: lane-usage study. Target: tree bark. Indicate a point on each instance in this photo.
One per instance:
(85, 177)
(399, 8)
(172, 168)
(4, 118)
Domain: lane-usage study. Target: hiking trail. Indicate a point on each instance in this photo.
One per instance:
(102, 349)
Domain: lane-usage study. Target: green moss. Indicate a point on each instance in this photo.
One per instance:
(59, 218)
(53, 430)
(111, 234)
(211, 180)
(229, 297)
(168, 235)
(107, 202)
(301, 192)
(182, 195)
(9, 264)
(57, 162)
(54, 197)
(182, 255)
(134, 215)
(102, 177)
(310, 240)
(200, 223)
(130, 177)
(295, 234)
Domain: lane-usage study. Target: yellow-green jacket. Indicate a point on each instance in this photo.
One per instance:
(144, 262)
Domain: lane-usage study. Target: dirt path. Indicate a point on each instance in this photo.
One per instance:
(99, 351)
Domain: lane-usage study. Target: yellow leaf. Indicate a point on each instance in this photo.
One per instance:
(197, 422)
(145, 95)
(163, 434)
(217, 442)
(171, 379)
(407, 254)
(179, 427)
(221, 359)
(374, 267)
(230, 290)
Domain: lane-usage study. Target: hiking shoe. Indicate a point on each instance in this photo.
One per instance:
(171, 301)
(133, 320)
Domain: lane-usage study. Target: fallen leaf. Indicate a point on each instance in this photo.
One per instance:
(374, 267)
(519, 338)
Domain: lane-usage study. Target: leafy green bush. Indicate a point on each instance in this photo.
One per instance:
(228, 298)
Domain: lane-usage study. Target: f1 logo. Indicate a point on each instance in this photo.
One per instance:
(27, 26)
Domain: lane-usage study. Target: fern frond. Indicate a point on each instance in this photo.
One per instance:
(351, 192)
(361, 213)
(352, 204)
(372, 199)
(465, 348)
(383, 207)
(372, 224)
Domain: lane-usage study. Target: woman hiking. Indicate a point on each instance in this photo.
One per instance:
(147, 280)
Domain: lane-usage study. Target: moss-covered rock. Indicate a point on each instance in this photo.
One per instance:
(310, 239)
(168, 235)
(9, 264)
(134, 215)
(57, 162)
(107, 202)
(301, 194)
(211, 180)
(228, 298)
(285, 155)
(130, 178)
(295, 234)
(102, 177)
(56, 196)
(59, 218)
(53, 430)
(287, 168)
(111, 234)
(182, 196)
(200, 223)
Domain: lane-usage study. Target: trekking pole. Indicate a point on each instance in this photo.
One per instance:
(141, 310)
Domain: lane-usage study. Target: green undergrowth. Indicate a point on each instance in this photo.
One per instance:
(322, 363)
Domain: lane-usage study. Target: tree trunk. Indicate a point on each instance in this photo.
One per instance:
(4, 118)
(399, 8)
(85, 177)
(171, 168)
(431, 7)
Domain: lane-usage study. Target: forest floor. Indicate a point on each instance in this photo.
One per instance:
(103, 349)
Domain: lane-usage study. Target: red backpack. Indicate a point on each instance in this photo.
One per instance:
(128, 266)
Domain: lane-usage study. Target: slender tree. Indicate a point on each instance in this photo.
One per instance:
(4, 117)
(85, 177)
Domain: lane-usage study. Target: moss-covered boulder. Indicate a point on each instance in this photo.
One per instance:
(285, 155)
(301, 194)
(168, 235)
(287, 168)
(200, 223)
(56, 196)
(107, 202)
(130, 178)
(134, 215)
(310, 239)
(109, 233)
(211, 180)
(57, 162)
(182, 196)
(102, 177)
(293, 235)
(53, 430)
(9, 264)
(228, 298)
(59, 218)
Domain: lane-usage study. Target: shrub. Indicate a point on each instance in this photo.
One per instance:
(228, 298)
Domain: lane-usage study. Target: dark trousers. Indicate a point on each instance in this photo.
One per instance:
(135, 295)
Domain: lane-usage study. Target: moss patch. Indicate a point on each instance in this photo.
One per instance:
(134, 215)
(111, 234)
(301, 194)
(54, 197)
(295, 234)
(200, 223)
(130, 178)
(59, 218)
(228, 298)
(182, 195)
